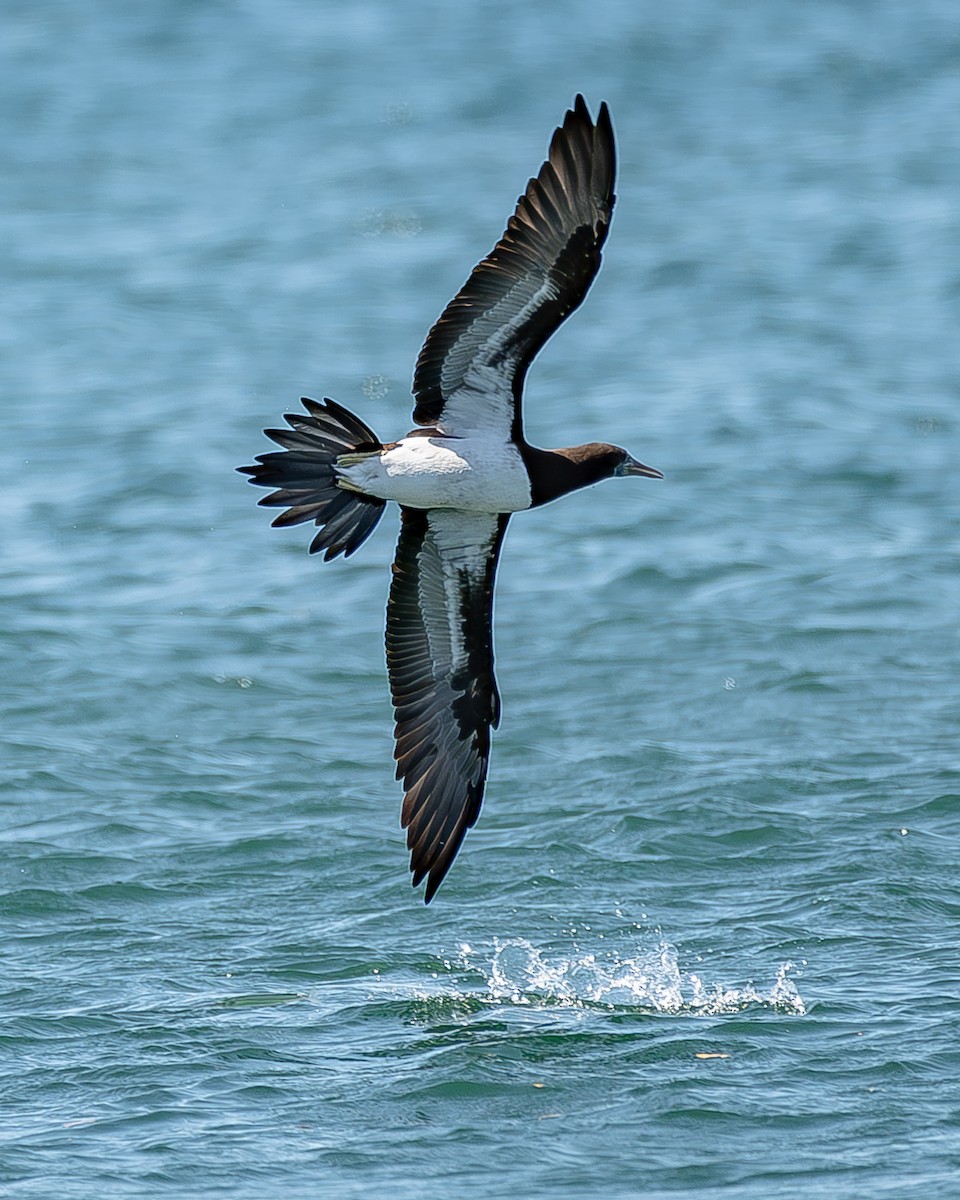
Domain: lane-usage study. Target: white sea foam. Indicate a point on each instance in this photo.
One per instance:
(517, 972)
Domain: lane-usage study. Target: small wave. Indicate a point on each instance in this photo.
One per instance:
(517, 972)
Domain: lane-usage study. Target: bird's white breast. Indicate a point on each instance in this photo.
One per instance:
(474, 474)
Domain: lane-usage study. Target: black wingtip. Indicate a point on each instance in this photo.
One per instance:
(434, 878)
(434, 865)
(582, 109)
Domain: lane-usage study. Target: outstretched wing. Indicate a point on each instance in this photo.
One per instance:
(469, 376)
(440, 662)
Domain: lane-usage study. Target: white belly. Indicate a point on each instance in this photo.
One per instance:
(473, 474)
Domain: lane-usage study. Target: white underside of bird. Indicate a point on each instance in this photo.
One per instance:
(475, 474)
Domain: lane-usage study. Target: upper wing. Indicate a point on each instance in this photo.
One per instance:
(440, 661)
(470, 372)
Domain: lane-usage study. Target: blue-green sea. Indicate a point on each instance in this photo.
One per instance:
(705, 938)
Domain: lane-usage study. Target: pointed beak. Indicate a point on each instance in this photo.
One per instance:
(630, 466)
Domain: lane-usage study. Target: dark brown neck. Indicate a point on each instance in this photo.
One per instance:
(554, 473)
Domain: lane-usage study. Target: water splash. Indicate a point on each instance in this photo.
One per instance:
(517, 972)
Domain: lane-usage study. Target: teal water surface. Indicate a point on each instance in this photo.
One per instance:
(703, 941)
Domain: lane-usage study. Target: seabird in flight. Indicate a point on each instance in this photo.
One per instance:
(458, 476)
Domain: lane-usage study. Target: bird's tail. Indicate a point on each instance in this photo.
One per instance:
(304, 474)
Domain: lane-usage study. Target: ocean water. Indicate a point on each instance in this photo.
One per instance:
(704, 940)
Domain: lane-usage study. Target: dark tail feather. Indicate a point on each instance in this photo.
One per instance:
(303, 474)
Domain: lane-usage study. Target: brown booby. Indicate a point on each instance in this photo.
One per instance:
(457, 478)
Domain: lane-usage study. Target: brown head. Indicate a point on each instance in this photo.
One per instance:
(554, 473)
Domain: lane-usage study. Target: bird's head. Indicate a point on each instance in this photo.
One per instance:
(555, 473)
(603, 461)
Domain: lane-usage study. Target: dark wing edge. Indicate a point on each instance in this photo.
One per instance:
(440, 662)
(535, 276)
